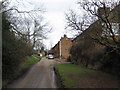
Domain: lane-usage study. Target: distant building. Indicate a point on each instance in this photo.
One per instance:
(62, 48)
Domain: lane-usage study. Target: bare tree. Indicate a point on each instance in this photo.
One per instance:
(77, 22)
(27, 24)
(107, 18)
(74, 22)
(35, 30)
(99, 42)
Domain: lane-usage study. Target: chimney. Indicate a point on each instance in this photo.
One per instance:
(103, 11)
(65, 35)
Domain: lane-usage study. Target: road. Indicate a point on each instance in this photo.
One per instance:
(41, 75)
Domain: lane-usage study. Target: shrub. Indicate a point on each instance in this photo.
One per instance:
(111, 61)
(14, 50)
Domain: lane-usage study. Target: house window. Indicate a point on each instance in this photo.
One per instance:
(106, 30)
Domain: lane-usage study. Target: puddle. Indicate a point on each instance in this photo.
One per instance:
(52, 77)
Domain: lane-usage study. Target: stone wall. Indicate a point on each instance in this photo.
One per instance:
(66, 44)
(62, 48)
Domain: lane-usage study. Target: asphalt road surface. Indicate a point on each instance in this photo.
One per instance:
(41, 75)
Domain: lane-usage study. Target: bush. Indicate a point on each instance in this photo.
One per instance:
(14, 51)
(111, 61)
(86, 52)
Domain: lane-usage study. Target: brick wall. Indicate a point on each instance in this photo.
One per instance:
(66, 44)
(55, 50)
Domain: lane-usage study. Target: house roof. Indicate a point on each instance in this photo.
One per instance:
(65, 36)
(88, 30)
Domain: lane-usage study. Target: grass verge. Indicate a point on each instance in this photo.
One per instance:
(73, 76)
(30, 60)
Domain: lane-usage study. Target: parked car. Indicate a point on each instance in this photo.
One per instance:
(50, 56)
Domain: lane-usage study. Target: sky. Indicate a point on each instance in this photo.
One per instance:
(54, 15)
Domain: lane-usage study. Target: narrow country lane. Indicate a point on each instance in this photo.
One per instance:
(41, 75)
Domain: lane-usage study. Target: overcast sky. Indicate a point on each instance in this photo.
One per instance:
(55, 15)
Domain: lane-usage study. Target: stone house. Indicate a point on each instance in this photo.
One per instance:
(62, 48)
(92, 49)
(96, 28)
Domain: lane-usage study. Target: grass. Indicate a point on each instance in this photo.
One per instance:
(30, 60)
(68, 70)
(74, 76)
